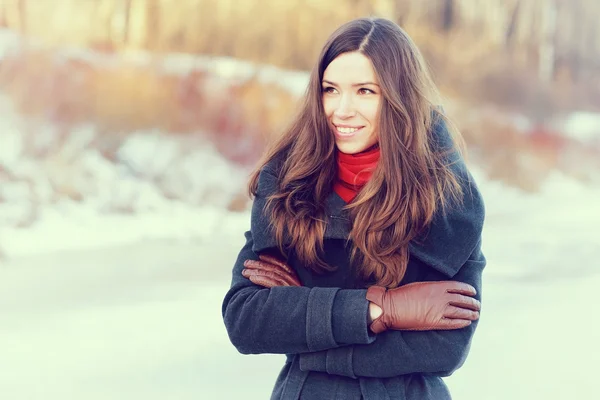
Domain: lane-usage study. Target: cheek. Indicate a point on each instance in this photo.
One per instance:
(328, 107)
(372, 114)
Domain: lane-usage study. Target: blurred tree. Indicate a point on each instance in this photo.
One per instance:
(127, 13)
(14, 14)
(464, 40)
(512, 26)
(447, 15)
(547, 41)
(153, 26)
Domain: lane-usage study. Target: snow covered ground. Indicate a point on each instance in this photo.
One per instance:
(142, 321)
(583, 126)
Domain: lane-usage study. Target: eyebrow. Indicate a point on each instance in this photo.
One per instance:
(356, 84)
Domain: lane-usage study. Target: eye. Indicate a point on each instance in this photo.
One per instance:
(365, 91)
(328, 89)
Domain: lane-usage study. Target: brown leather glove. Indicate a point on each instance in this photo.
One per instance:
(269, 271)
(424, 306)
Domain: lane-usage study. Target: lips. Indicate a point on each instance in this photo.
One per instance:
(346, 131)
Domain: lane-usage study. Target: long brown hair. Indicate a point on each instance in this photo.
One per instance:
(411, 182)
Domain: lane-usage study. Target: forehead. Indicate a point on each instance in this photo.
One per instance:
(350, 68)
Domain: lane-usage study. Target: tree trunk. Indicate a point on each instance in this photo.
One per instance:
(152, 24)
(126, 15)
(447, 15)
(547, 39)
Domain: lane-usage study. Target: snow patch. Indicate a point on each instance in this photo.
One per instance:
(583, 126)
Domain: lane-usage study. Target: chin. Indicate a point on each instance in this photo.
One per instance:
(351, 148)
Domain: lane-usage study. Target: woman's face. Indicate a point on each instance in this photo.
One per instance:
(351, 99)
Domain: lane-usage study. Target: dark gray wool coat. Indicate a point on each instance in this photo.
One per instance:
(322, 326)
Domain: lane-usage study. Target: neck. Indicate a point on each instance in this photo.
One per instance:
(354, 171)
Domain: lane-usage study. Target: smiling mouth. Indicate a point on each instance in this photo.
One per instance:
(347, 130)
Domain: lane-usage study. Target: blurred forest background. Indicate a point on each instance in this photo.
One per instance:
(520, 79)
(506, 51)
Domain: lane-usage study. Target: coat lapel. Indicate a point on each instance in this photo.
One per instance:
(338, 223)
(447, 245)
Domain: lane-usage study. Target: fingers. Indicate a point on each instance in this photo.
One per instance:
(470, 303)
(265, 282)
(290, 278)
(461, 313)
(269, 270)
(453, 324)
(258, 278)
(276, 261)
(443, 324)
(272, 271)
(461, 288)
(286, 268)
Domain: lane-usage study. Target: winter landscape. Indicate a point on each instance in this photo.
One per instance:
(113, 267)
(103, 305)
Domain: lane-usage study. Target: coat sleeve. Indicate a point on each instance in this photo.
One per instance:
(404, 352)
(289, 319)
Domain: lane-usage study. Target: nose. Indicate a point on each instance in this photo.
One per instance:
(344, 108)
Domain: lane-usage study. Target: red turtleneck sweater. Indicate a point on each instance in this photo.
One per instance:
(354, 171)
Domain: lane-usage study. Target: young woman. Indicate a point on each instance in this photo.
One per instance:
(363, 262)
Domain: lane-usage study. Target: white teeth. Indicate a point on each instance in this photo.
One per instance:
(346, 130)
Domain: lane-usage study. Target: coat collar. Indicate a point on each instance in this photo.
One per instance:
(449, 242)
(446, 246)
(338, 222)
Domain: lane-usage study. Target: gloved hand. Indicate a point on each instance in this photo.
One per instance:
(269, 272)
(424, 306)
